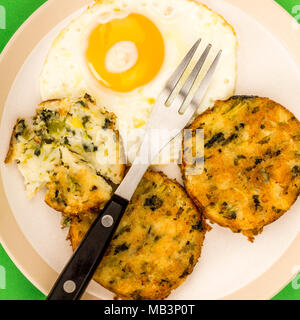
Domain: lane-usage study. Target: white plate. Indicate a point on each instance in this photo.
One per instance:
(229, 263)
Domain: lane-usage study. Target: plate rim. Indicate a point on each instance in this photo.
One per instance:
(11, 60)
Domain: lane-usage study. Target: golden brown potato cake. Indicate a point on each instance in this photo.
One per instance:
(72, 147)
(251, 171)
(156, 245)
(75, 187)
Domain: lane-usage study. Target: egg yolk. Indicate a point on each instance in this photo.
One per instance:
(124, 54)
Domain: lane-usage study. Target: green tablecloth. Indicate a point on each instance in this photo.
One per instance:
(17, 286)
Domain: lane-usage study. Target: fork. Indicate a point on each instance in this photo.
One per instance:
(167, 114)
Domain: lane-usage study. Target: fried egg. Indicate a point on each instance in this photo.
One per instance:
(122, 52)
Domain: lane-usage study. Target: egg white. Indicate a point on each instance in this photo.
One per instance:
(181, 23)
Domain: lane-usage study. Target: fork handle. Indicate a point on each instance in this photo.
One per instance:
(78, 272)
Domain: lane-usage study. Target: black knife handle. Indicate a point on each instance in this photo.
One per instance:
(78, 272)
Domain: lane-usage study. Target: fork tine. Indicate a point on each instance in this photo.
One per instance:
(185, 90)
(173, 81)
(199, 94)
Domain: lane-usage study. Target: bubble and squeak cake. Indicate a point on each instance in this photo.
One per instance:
(156, 245)
(251, 171)
(123, 52)
(70, 146)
